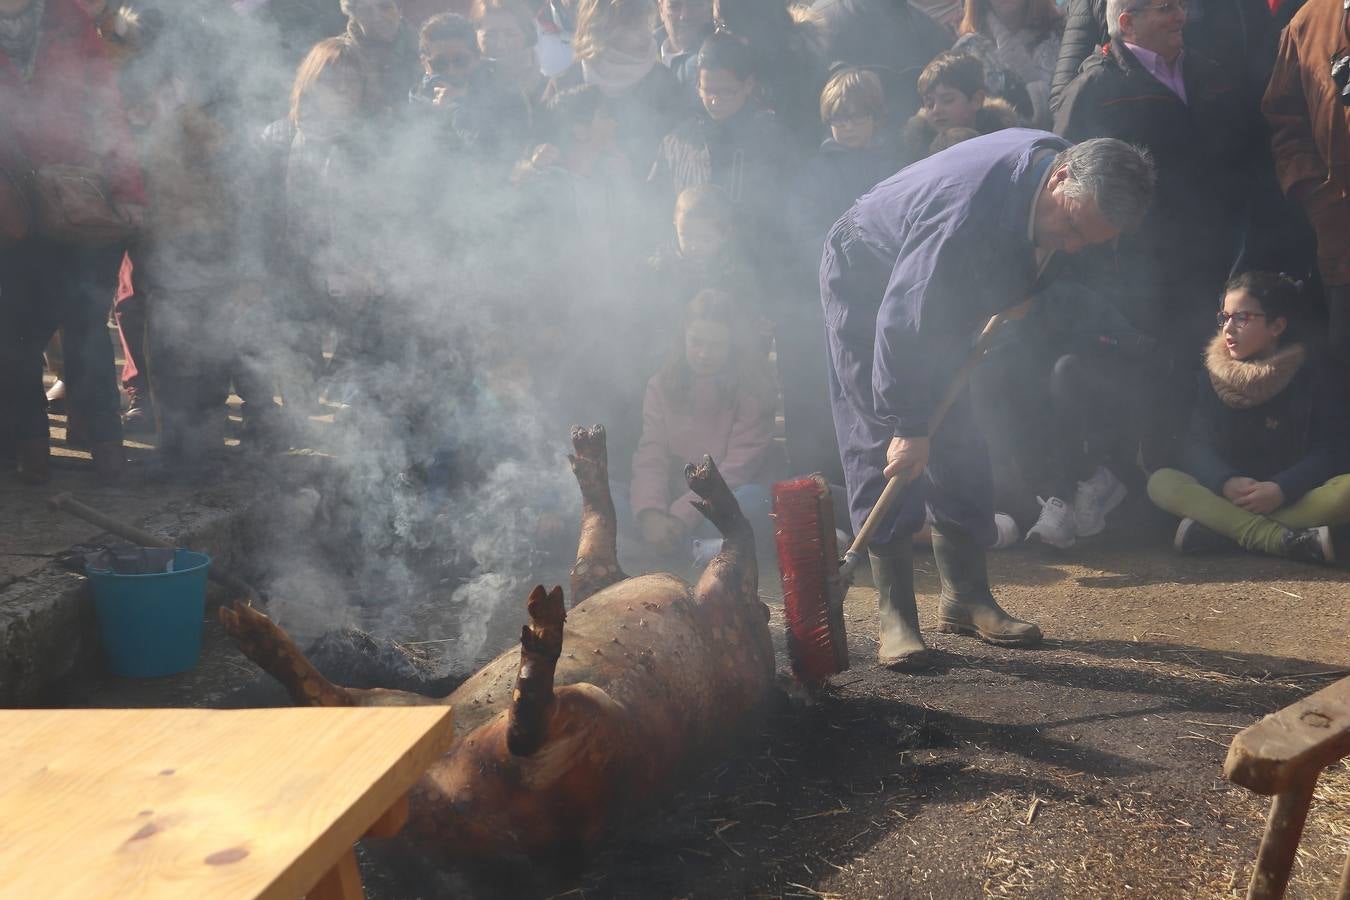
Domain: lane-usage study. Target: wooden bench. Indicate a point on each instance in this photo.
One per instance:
(207, 804)
(1282, 756)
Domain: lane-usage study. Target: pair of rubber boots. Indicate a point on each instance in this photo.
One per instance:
(967, 606)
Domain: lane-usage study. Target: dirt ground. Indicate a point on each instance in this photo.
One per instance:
(1088, 768)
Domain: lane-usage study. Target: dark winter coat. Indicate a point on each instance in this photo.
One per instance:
(489, 122)
(887, 33)
(830, 182)
(644, 114)
(394, 67)
(910, 273)
(672, 281)
(68, 109)
(1239, 34)
(890, 36)
(919, 133)
(1294, 438)
(1208, 152)
(748, 156)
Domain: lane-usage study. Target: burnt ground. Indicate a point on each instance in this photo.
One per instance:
(1088, 768)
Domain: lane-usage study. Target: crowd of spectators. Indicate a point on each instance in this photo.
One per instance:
(613, 210)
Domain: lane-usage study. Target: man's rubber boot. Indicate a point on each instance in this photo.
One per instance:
(967, 605)
(900, 645)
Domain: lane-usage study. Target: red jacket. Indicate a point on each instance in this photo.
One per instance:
(70, 111)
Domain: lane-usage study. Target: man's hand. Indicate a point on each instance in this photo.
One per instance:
(1262, 498)
(906, 457)
(662, 531)
(1235, 488)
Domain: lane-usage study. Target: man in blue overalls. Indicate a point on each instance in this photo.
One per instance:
(910, 274)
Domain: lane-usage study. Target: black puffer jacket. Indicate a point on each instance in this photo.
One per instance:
(1294, 438)
(1237, 34)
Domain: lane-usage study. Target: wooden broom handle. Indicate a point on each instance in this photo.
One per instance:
(954, 388)
(227, 580)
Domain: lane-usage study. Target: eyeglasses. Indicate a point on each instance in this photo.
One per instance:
(1166, 9)
(1239, 318)
(847, 121)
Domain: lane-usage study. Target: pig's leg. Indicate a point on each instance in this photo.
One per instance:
(261, 640)
(597, 565)
(735, 568)
(540, 646)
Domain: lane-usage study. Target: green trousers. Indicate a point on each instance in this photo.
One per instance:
(1183, 496)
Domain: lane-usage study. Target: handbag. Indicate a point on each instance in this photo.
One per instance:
(60, 202)
(71, 204)
(16, 213)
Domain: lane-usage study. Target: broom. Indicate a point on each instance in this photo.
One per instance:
(815, 579)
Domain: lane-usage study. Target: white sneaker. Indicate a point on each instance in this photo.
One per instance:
(1094, 499)
(1008, 533)
(1055, 526)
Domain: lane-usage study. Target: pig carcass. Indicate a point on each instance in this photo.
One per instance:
(599, 708)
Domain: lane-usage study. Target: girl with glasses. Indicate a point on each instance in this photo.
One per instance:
(1262, 468)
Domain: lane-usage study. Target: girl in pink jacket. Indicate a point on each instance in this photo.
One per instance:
(716, 397)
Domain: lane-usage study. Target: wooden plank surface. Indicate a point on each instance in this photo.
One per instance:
(1294, 743)
(204, 804)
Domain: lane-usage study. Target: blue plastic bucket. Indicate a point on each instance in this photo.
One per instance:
(152, 624)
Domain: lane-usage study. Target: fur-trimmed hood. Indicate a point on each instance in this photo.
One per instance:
(1246, 383)
(919, 133)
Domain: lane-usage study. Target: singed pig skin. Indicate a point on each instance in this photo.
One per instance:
(644, 678)
(653, 673)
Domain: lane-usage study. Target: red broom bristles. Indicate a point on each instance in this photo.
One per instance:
(808, 559)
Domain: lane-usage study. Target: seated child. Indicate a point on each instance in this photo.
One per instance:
(713, 397)
(732, 142)
(703, 253)
(1261, 465)
(953, 92)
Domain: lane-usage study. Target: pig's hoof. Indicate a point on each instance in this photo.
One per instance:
(716, 502)
(253, 631)
(589, 443)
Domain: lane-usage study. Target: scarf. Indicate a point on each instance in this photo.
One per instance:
(19, 37)
(1245, 383)
(616, 73)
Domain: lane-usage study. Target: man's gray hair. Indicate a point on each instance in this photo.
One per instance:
(1113, 10)
(1120, 177)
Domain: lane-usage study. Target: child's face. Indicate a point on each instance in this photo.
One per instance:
(707, 346)
(332, 103)
(699, 239)
(1256, 336)
(454, 59)
(852, 130)
(723, 94)
(949, 108)
(500, 36)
